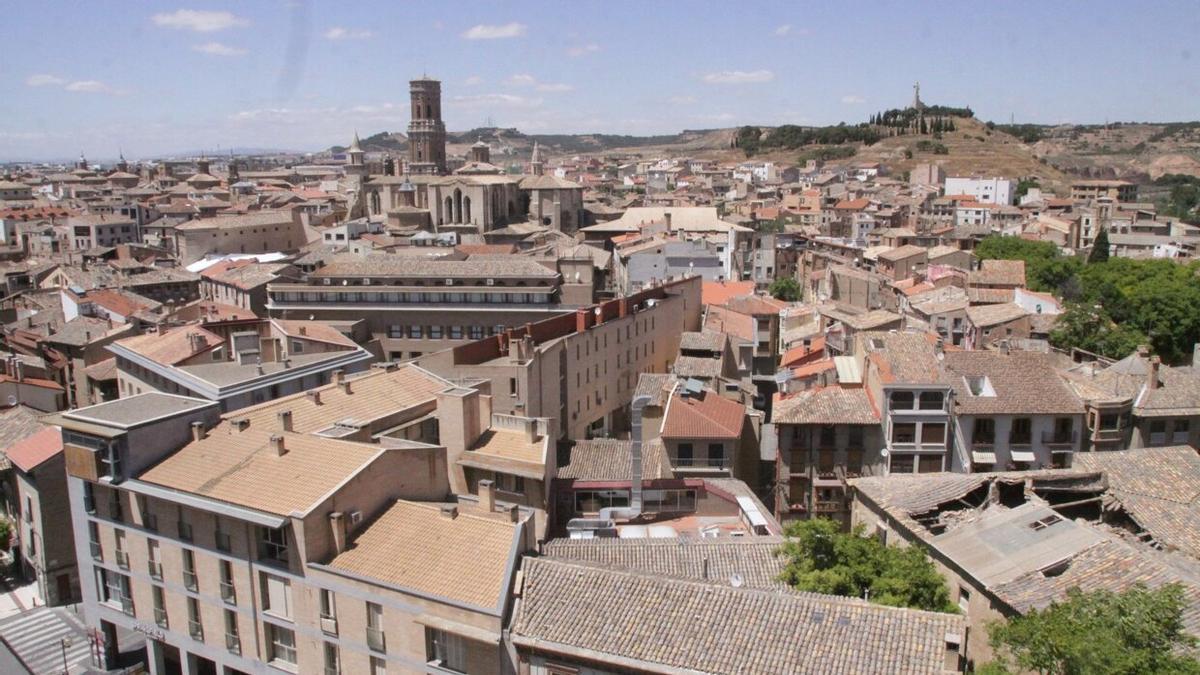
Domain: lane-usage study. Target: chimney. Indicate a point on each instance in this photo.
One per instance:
(461, 419)
(667, 219)
(198, 431)
(346, 386)
(531, 430)
(581, 320)
(277, 445)
(1152, 377)
(19, 369)
(622, 307)
(337, 523)
(514, 513)
(285, 420)
(338, 376)
(487, 496)
(303, 330)
(449, 511)
(314, 396)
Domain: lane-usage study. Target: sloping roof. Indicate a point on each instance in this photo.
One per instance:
(656, 386)
(256, 219)
(313, 330)
(1159, 488)
(16, 424)
(173, 346)
(414, 546)
(242, 468)
(902, 252)
(825, 405)
(697, 366)
(800, 353)
(707, 415)
(383, 265)
(708, 341)
(1025, 383)
(583, 609)
(905, 358)
(998, 272)
(719, 292)
(610, 459)
(30, 452)
(751, 558)
(992, 315)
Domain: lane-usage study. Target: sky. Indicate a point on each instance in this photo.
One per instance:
(153, 79)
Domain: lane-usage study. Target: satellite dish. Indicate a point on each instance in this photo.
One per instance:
(12, 400)
(884, 453)
(736, 580)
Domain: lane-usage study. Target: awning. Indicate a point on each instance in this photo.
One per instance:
(983, 457)
(1023, 456)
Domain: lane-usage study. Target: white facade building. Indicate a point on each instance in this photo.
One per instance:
(985, 190)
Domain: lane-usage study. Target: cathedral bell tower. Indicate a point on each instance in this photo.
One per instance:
(426, 133)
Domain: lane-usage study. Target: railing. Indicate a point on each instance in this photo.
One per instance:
(155, 569)
(828, 506)
(196, 629)
(127, 605)
(233, 643)
(122, 559)
(1158, 438)
(1179, 437)
(97, 553)
(160, 616)
(189, 581)
(701, 463)
(228, 594)
(375, 640)
(1058, 438)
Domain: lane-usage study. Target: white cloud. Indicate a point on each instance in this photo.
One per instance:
(201, 21)
(716, 117)
(218, 49)
(582, 50)
(681, 100)
(739, 77)
(473, 81)
(503, 100)
(784, 29)
(43, 80)
(853, 99)
(91, 87)
(527, 80)
(495, 32)
(340, 33)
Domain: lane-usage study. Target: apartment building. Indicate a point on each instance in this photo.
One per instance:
(92, 230)
(413, 306)
(1122, 191)
(825, 436)
(236, 362)
(992, 190)
(583, 367)
(243, 283)
(1013, 410)
(42, 508)
(257, 232)
(290, 536)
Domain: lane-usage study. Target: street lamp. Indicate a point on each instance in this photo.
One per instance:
(65, 642)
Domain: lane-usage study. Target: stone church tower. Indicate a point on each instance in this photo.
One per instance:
(426, 133)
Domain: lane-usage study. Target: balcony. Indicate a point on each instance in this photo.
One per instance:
(155, 569)
(1107, 435)
(1059, 438)
(828, 506)
(329, 625)
(376, 641)
(233, 643)
(227, 592)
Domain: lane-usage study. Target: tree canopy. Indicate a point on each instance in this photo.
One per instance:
(1136, 631)
(821, 558)
(1100, 248)
(786, 289)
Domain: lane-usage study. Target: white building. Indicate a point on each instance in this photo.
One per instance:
(985, 190)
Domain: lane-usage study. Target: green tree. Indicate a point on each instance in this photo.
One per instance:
(821, 558)
(1099, 252)
(1024, 184)
(1091, 328)
(1046, 269)
(786, 289)
(748, 139)
(1132, 632)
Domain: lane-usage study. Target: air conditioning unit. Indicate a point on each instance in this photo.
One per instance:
(329, 625)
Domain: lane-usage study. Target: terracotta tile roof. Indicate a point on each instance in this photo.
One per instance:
(814, 368)
(722, 320)
(611, 459)
(853, 204)
(719, 292)
(242, 468)
(707, 415)
(487, 249)
(690, 625)
(33, 382)
(388, 265)
(413, 546)
(752, 558)
(902, 252)
(256, 219)
(755, 305)
(697, 366)
(1025, 383)
(801, 354)
(705, 341)
(245, 274)
(313, 330)
(374, 395)
(17, 423)
(173, 346)
(825, 405)
(999, 272)
(120, 302)
(904, 358)
(986, 296)
(29, 453)
(992, 315)
(1159, 488)
(103, 370)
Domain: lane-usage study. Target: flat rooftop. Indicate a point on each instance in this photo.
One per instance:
(136, 410)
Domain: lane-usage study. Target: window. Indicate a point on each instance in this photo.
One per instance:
(1043, 523)
(116, 509)
(185, 528)
(233, 641)
(195, 625)
(685, 454)
(1021, 432)
(476, 332)
(1180, 430)
(510, 483)
(228, 593)
(154, 564)
(828, 437)
(456, 332)
(328, 606)
(281, 644)
(89, 498)
(395, 331)
(332, 662)
(160, 605)
(929, 464)
(378, 666)
(984, 431)
(297, 347)
(902, 400)
(113, 589)
(931, 400)
(905, 432)
(221, 538)
(591, 501)
(273, 544)
(1110, 421)
(149, 519)
(445, 650)
(716, 454)
(933, 434)
(435, 332)
(190, 580)
(375, 635)
(277, 596)
(414, 332)
(94, 540)
(902, 463)
(111, 458)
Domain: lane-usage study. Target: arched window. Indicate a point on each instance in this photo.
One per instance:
(448, 215)
(466, 209)
(458, 203)
(376, 207)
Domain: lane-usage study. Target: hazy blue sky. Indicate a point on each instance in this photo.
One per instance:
(155, 78)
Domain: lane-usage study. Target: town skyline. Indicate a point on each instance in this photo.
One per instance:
(302, 80)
